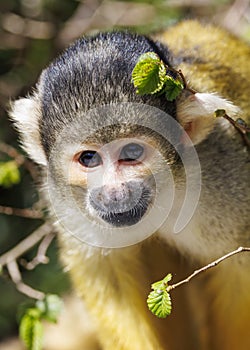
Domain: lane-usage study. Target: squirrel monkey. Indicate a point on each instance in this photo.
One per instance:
(122, 167)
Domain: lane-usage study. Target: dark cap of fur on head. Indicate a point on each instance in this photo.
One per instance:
(92, 72)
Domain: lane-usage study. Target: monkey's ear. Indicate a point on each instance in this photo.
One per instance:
(196, 113)
(26, 113)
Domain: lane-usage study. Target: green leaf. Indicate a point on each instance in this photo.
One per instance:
(31, 329)
(173, 87)
(9, 174)
(149, 74)
(159, 301)
(50, 307)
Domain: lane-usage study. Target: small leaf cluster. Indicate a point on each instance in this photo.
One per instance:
(31, 327)
(9, 174)
(151, 75)
(159, 301)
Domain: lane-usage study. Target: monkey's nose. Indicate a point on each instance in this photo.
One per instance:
(111, 194)
(121, 207)
(120, 199)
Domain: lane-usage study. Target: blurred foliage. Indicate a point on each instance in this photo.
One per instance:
(9, 174)
(31, 327)
(32, 32)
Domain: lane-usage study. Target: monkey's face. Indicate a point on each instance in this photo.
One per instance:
(113, 173)
(118, 178)
(112, 186)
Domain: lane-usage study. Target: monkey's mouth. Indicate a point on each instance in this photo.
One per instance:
(127, 218)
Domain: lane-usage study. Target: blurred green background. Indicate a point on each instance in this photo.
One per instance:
(32, 32)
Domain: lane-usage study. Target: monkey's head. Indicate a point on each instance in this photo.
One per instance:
(111, 154)
(115, 171)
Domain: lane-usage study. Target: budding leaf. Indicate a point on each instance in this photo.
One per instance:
(9, 174)
(159, 301)
(31, 329)
(50, 307)
(149, 74)
(219, 113)
(173, 87)
(243, 125)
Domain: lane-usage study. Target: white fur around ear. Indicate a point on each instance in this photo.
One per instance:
(196, 113)
(25, 113)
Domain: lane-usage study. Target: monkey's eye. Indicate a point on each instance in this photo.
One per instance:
(131, 152)
(90, 159)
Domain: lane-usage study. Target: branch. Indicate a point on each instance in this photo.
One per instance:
(16, 277)
(8, 259)
(19, 158)
(241, 126)
(40, 257)
(12, 153)
(234, 14)
(25, 213)
(159, 300)
(26, 244)
(209, 266)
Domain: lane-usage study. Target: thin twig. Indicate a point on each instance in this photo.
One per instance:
(20, 159)
(41, 257)
(25, 213)
(209, 266)
(242, 128)
(186, 87)
(234, 15)
(16, 277)
(12, 153)
(26, 244)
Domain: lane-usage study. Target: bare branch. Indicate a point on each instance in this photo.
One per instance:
(26, 244)
(234, 14)
(241, 126)
(9, 258)
(16, 277)
(25, 213)
(12, 153)
(20, 159)
(209, 266)
(41, 257)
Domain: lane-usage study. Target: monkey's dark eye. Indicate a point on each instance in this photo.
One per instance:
(90, 159)
(131, 151)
